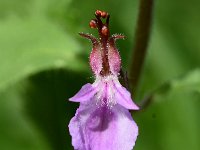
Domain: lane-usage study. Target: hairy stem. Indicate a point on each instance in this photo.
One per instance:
(141, 41)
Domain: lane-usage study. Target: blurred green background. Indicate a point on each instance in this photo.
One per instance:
(43, 62)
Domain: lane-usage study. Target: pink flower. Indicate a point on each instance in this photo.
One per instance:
(103, 122)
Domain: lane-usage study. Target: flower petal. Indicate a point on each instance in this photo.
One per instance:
(77, 126)
(123, 97)
(85, 94)
(103, 128)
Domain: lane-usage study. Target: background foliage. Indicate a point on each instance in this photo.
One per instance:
(43, 62)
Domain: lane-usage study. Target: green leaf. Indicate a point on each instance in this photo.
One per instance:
(173, 116)
(34, 44)
(35, 113)
(32, 41)
(171, 123)
(17, 130)
(190, 82)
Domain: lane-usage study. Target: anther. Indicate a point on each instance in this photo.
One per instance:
(100, 13)
(104, 30)
(93, 24)
(104, 14)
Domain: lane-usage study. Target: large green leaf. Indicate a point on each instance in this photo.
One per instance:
(30, 42)
(34, 44)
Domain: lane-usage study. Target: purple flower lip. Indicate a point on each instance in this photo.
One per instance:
(102, 121)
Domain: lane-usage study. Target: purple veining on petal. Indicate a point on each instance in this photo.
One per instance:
(123, 97)
(86, 93)
(105, 94)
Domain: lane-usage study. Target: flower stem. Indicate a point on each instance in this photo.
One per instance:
(141, 40)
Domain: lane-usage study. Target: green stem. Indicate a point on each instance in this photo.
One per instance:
(141, 41)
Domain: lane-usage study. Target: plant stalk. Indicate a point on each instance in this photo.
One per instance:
(142, 34)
